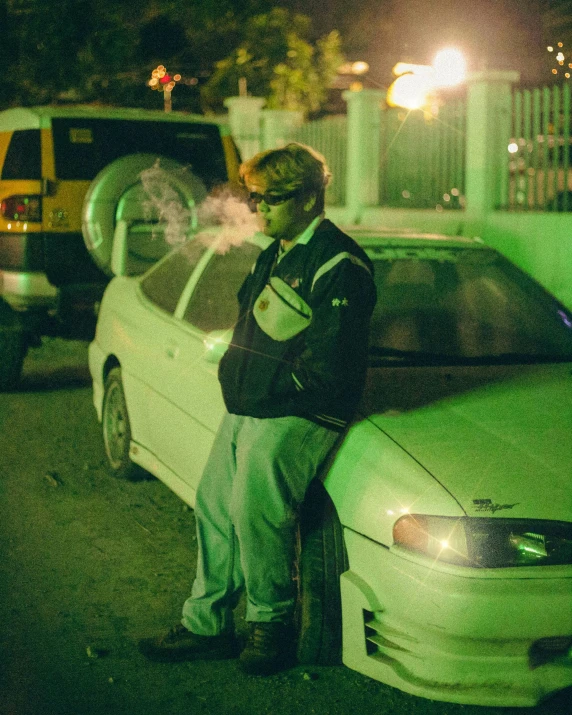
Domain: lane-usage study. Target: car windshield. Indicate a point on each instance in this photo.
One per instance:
(462, 306)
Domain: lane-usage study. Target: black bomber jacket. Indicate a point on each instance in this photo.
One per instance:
(318, 373)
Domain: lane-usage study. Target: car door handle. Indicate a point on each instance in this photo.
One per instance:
(172, 351)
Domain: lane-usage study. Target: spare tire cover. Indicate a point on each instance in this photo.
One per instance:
(120, 192)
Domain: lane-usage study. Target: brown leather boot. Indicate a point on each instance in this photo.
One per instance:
(181, 644)
(270, 648)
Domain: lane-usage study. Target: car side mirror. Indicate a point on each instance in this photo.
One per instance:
(216, 344)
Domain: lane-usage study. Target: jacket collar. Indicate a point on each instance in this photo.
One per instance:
(303, 238)
(309, 231)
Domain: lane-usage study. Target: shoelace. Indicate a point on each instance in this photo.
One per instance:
(264, 637)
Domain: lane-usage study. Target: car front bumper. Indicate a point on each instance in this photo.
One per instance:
(447, 634)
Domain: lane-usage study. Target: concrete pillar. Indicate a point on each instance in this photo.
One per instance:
(278, 125)
(363, 147)
(489, 118)
(244, 121)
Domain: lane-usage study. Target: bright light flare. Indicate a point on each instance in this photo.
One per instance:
(360, 67)
(513, 147)
(211, 343)
(450, 68)
(410, 91)
(216, 344)
(415, 84)
(410, 68)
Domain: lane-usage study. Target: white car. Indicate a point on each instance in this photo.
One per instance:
(446, 519)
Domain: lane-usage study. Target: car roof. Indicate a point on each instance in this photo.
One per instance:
(19, 118)
(370, 238)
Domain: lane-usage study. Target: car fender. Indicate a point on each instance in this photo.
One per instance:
(373, 481)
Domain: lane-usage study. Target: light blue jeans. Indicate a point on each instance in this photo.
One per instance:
(255, 478)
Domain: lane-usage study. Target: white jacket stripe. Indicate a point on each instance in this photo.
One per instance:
(332, 420)
(328, 265)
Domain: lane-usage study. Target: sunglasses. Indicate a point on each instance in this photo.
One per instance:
(272, 199)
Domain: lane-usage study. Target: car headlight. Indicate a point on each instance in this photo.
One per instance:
(486, 543)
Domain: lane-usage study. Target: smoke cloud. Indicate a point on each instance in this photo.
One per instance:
(166, 205)
(227, 219)
(182, 209)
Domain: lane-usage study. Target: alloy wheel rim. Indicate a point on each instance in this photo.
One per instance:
(115, 426)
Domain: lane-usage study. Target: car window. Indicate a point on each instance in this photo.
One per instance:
(469, 304)
(164, 283)
(214, 305)
(23, 158)
(84, 146)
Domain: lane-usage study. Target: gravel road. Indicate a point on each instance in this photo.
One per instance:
(91, 564)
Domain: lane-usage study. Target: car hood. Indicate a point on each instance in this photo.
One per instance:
(501, 450)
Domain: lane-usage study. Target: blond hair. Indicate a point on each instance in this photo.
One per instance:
(294, 166)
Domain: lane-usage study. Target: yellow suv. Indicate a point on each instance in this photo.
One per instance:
(69, 177)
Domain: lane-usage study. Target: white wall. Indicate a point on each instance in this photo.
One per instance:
(540, 243)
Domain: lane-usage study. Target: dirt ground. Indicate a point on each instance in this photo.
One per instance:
(90, 564)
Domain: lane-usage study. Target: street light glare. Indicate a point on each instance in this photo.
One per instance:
(410, 91)
(360, 67)
(450, 68)
(415, 84)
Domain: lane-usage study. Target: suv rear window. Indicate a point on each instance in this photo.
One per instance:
(83, 147)
(24, 157)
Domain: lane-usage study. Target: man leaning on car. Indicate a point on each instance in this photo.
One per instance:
(291, 380)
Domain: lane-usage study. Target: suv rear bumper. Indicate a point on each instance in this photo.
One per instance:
(62, 257)
(24, 290)
(22, 251)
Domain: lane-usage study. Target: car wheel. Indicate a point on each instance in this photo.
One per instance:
(12, 353)
(117, 429)
(322, 558)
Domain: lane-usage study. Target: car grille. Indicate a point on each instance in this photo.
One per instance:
(546, 650)
(383, 642)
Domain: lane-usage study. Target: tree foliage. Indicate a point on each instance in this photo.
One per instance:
(278, 62)
(98, 51)
(80, 52)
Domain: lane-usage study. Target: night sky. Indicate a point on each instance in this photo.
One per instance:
(497, 34)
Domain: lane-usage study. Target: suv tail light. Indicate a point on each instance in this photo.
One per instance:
(22, 208)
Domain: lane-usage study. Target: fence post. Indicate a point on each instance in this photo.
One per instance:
(278, 126)
(363, 145)
(244, 121)
(489, 119)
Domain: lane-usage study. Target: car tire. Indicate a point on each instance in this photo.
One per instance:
(116, 429)
(12, 353)
(322, 558)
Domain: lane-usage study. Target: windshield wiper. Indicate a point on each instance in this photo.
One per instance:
(380, 356)
(384, 356)
(522, 358)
